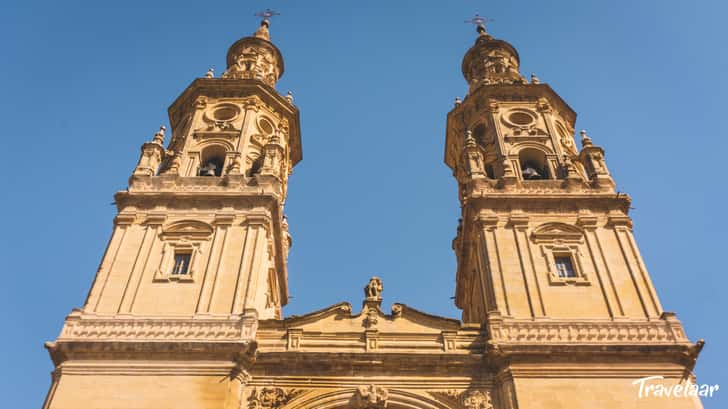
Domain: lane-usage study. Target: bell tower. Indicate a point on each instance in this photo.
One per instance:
(546, 259)
(198, 252)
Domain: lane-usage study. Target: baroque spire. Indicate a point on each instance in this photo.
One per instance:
(490, 61)
(255, 57)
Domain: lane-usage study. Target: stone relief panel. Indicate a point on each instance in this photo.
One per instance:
(271, 398)
(469, 399)
(370, 397)
(254, 62)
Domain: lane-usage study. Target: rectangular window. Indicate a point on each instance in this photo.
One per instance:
(564, 267)
(181, 263)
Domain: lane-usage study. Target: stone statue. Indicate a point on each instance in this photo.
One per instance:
(373, 290)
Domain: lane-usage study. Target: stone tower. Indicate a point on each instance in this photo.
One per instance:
(198, 252)
(185, 311)
(546, 258)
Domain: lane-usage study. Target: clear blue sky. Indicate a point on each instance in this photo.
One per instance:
(85, 83)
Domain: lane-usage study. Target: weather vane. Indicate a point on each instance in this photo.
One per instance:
(267, 13)
(479, 22)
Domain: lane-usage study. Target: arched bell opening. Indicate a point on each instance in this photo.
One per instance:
(212, 161)
(533, 165)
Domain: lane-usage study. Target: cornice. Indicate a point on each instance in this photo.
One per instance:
(231, 351)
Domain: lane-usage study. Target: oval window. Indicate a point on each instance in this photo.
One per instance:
(520, 118)
(265, 126)
(225, 113)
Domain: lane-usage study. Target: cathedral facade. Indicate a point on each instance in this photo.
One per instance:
(185, 311)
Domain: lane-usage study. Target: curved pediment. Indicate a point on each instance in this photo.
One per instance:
(339, 318)
(187, 229)
(557, 231)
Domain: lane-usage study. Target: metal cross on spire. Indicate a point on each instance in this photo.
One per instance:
(267, 13)
(479, 22)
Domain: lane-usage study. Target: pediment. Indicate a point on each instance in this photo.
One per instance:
(188, 229)
(557, 231)
(339, 318)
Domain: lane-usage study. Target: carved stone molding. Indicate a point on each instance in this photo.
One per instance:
(271, 398)
(609, 332)
(77, 328)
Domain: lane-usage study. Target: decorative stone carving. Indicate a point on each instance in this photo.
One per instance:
(235, 166)
(174, 163)
(159, 136)
(470, 399)
(210, 73)
(156, 329)
(271, 398)
(592, 157)
(373, 290)
(607, 332)
(474, 156)
(151, 156)
(477, 400)
(370, 397)
(553, 231)
(201, 102)
(371, 318)
(491, 61)
(255, 61)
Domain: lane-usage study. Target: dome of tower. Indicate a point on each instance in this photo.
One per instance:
(255, 57)
(491, 61)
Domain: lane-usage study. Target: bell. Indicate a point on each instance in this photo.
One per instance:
(531, 173)
(208, 170)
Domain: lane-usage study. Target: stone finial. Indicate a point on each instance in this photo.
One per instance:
(458, 101)
(159, 136)
(262, 31)
(373, 290)
(534, 79)
(289, 97)
(210, 73)
(585, 139)
(370, 397)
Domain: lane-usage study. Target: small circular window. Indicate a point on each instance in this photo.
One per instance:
(520, 118)
(225, 113)
(265, 126)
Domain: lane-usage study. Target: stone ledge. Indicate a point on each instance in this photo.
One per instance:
(589, 332)
(80, 327)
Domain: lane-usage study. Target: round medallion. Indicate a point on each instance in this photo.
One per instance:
(265, 126)
(225, 113)
(521, 118)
